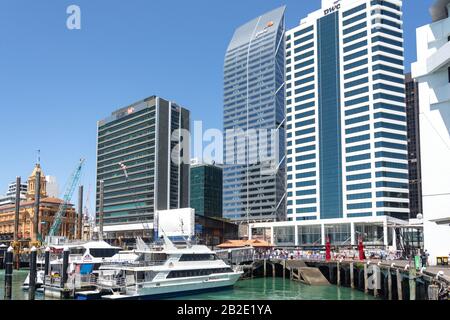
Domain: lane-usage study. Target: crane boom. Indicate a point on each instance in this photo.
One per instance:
(72, 184)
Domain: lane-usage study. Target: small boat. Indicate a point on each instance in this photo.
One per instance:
(166, 272)
(39, 281)
(84, 258)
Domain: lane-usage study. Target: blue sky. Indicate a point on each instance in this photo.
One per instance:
(56, 83)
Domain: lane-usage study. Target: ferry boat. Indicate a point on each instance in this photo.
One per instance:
(84, 259)
(166, 272)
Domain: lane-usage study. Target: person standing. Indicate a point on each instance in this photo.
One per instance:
(424, 258)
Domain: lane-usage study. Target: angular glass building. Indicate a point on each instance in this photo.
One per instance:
(254, 180)
(346, 117)
(206, 190)
(142, 136)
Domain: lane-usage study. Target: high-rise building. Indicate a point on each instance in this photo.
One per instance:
(10, 196)
(432, 72)
(346, 118)
(412, 115)
(206, 189)
(142, 168)
(254, 181)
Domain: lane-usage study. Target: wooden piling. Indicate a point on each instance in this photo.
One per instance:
(338, 274)
(65, 267)
(265, 268)
(33, 274)
(9, 256)
(433, 292)
(284, 269)
(352, 276)
(399, 285)
(273, 269)
(366, 280)
(389, 285)
(412, 282)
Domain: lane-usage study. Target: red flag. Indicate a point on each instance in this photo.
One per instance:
(328, 250)
(361, 249)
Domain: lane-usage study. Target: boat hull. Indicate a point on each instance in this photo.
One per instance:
(179, 289)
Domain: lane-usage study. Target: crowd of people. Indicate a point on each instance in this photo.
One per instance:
(345, 254)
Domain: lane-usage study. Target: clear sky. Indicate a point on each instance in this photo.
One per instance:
(56, 83)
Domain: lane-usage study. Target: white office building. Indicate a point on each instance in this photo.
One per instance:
(432, 72)
(346, 119)
(52, 186)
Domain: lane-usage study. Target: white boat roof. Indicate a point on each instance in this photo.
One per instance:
(87, 245)
(195, 249)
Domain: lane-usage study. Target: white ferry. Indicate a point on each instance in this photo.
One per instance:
(167, 272)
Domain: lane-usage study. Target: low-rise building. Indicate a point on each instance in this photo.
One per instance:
(48, 207)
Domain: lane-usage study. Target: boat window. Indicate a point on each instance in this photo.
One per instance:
(197, 257)
(103, 253)
(77, 250)
(198, 272)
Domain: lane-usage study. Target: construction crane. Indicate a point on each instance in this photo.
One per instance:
(70, 189)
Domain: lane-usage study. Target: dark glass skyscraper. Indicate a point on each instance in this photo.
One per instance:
(254, 109)
(415, 176)
(142, 137)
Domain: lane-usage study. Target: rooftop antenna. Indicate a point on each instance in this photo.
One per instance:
(38, 157)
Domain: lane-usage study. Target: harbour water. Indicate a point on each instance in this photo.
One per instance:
(253, 289)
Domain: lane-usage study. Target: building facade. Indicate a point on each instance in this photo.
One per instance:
(48, 207)
(412, 115)
(346, 119)
(432, 72)
(254, 179)
(142, 165)
(206, 190)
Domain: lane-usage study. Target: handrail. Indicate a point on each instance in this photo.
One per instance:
(134, 263)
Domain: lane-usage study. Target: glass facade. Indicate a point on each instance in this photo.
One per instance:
(371, 234)
(206, 190)
(284, 236)
(339, 234)
(346, 117)
(330, 118)
(254, 108)
(310, 235)
(131, 136)
(415, 175)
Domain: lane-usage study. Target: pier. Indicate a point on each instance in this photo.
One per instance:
(389, 280)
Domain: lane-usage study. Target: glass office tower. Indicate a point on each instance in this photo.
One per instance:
(346, 117)
(143, 137)
(254, 121)
(206, 189)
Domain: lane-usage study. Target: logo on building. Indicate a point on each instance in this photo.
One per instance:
(268, 25)
(336, 6)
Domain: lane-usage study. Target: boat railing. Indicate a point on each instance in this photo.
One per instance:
(78, 281)
(132, 264)
(111, 283)
(76, 257)
(52, 281)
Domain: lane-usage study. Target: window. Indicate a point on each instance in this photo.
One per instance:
(309, 235)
